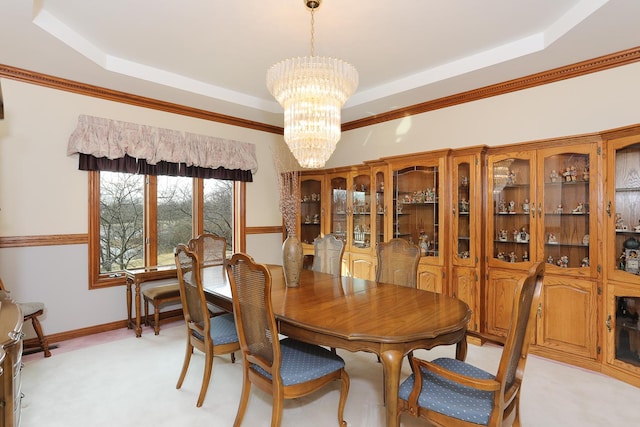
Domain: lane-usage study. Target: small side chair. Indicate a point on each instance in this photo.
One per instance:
(31, 311)
(327, 255)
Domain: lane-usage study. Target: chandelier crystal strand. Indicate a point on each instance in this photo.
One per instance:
(312, 90)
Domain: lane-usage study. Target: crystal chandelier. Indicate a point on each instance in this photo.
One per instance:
(312, 90)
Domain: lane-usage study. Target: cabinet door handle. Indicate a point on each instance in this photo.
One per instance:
(609, 208)
(539, 210)
(608, 323)
(540, 310)
(454, 211)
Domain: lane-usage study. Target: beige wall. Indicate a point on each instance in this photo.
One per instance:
(52, 200)
(590, 103)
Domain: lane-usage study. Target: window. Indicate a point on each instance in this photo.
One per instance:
(137, 220)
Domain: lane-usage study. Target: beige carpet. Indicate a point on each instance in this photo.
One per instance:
(131, 382)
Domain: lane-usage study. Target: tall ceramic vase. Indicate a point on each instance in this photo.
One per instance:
(292, 259)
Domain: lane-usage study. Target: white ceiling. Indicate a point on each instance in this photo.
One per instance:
(213, 54)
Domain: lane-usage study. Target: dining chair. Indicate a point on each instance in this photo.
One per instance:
(449, 392)
(398, 262)
(284, 368)
(213, 336)
(31, 311)
(212, 252)
(327, 255)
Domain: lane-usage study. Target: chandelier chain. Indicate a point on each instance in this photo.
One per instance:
(313, 41)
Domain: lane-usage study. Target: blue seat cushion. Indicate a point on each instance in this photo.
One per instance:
(449, 398)
(302, 362)
(223, 330)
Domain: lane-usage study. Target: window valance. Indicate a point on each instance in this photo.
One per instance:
(105, 144)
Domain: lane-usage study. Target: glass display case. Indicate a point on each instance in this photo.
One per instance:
(311, 213)
(625, 212)
(462, 212)
(338, 224)
(380, 208)
(416, 207)
(567, 209)
(512, 210)
(360, 211)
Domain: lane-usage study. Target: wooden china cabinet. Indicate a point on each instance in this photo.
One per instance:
(467, 229)
(544, 207)
(419, 200)
(622, 269)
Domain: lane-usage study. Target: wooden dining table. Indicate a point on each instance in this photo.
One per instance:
(359, 315)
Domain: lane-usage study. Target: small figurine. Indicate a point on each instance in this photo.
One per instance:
(500, 256)
(585, 173)
(525, 206)
(513, 257)
(563, 262)
(515, 234)
(553, 176)
(424, 243)
(578, 209)
(585, 262)
(550, 260)
(637, 227)
(552, 238)
(620, 222)
(502, 236)
(464, 181)
(525, 256)
(559, 209)
(511, 178)
(522, 236)
(464, 254)
(502, 206)
(512, 207)
(464, 205)
(622, 260)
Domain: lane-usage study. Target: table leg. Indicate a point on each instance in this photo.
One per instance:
(138, 326)
(461, 349)
(392, 365)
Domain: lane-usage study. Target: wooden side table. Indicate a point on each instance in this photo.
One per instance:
(136, 277)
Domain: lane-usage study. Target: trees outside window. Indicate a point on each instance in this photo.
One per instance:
(137, 220)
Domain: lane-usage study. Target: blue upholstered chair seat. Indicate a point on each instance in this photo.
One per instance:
(303, 362)
(449, 398)
(223, 330)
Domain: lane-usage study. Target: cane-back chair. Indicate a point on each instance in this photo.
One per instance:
(448, 392)
(285, 368)
(398, 262)
(327, 255)
(211, 335)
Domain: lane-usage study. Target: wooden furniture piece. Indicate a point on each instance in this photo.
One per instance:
(31, 311)
(213, 336)
(211, 249)
(159, 296)
(450, 392)
(11, 321)
(135, 277)
(327, 255)
(360, 315)
(286, 368)
(398, 263)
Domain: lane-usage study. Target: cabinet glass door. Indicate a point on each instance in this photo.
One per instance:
(361, 211)
(462, 212)
(339, 208)
(416, 207)
(512, 210)
(380, 207)
(310, 209)
(627, 329)
(625, 212)
(567, 210)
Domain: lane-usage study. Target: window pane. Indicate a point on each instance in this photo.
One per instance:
(218, 209)
(175, 215)
(121, 219)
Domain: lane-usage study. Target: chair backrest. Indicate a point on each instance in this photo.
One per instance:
(211, 249)
(398, 262)
(327, 255)
(257, 332)
(194, 303)
(516, 346)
